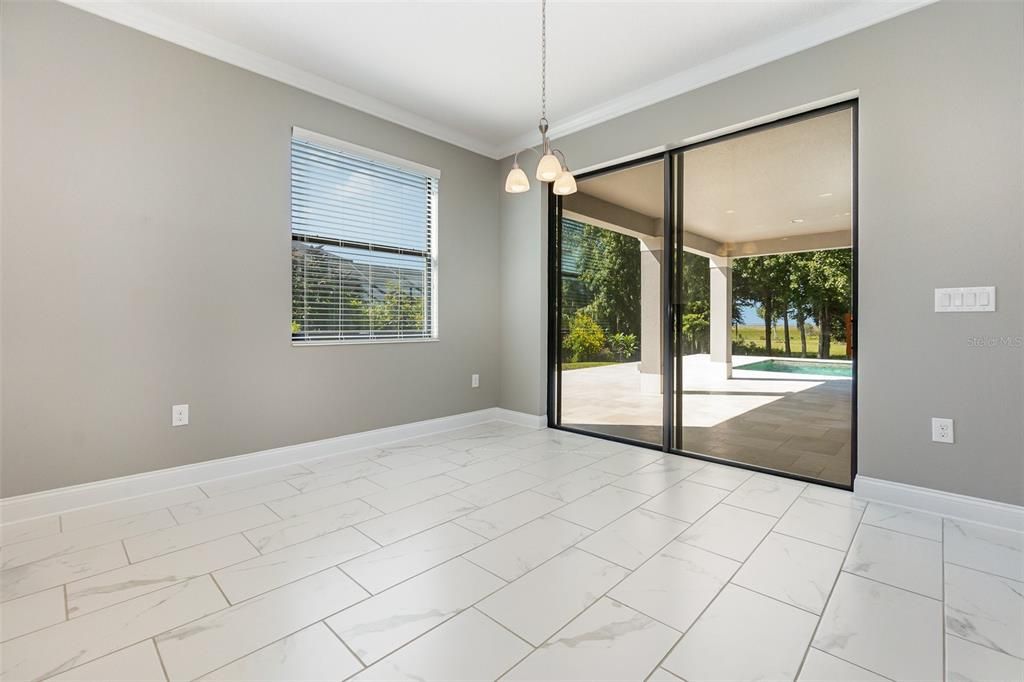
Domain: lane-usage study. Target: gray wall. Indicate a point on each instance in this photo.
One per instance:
(941, 204)
(524, 292)
(146, 262)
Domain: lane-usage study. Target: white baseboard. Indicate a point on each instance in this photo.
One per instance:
(952, 505)
(60, 500)
(534, 421)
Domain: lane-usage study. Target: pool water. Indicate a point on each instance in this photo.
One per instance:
(833, 369)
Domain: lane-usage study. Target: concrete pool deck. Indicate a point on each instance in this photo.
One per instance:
(796, 423)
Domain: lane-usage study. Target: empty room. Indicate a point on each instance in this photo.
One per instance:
(526, 340)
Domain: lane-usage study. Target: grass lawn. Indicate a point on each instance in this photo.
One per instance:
(755, 333)
(584, 365)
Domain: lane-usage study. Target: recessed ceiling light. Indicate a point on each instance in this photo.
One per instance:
(730, 211)
(825, 195)
(797, 220)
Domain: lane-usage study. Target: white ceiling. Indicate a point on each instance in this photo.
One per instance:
(468, 72)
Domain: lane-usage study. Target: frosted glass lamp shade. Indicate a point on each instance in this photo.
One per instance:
(549, 168)
(565, 184)
(517, 182)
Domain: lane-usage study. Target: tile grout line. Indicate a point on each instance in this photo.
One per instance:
(344, 644)
(92, 660)
(454, 615)
(630, 572)
(90, 546)
(828, 600)
(359, 584)
(170, 584)
(894, 587)
(903, 532)
(289, 634)
(978, 570)
(506, 628)
(817, 616)
(159, 658)
(1017, 659)
(738, 569)
(942, 612)
(227, 601)
(241, 531)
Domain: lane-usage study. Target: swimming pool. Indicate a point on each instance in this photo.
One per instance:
(820, 368)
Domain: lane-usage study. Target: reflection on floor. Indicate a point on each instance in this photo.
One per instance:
(798, 424)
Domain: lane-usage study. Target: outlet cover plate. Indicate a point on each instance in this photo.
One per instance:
(942, 430)
(179, 415)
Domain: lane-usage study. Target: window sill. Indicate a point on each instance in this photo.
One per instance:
(363, 342)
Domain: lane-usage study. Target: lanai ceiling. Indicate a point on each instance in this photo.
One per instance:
(779, 183)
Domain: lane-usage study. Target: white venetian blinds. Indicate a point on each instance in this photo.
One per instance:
(363, 235)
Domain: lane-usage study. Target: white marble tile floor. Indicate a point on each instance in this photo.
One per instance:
(503, 552)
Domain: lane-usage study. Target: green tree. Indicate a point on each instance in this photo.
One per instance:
(812, 284)
(695, 326)
(395, 311)
(801, 294)
(695, 295)
(623, 345)
(585, 338)
(610, 269)
(829, 278)
(762, 280)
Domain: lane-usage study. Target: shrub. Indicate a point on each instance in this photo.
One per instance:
(623, 345)
(585, 338)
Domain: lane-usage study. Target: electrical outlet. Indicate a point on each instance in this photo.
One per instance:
(474, 381)
(942, 430)
(179, 415)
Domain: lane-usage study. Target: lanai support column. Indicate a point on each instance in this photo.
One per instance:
(721, 316)
(651, 311)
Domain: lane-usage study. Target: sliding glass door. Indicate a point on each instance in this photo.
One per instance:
(609, 294)
(705, 299)
(764, 254)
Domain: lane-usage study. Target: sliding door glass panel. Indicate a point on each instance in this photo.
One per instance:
(609, 369)
(762, 322)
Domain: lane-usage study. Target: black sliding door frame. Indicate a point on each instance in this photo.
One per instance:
(672, 296)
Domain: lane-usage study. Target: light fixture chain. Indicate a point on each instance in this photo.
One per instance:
(544, 59)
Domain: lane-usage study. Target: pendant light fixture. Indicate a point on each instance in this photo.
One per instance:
(552, 166)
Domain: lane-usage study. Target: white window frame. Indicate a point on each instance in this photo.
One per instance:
(396, 162)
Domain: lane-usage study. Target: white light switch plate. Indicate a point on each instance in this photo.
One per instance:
(965, 300)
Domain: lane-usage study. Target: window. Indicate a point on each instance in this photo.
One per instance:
(364, 232)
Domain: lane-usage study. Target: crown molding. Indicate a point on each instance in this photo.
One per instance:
(795, 40)
(204, 43)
